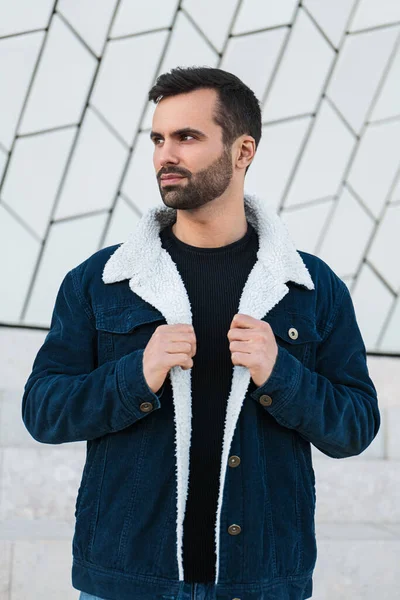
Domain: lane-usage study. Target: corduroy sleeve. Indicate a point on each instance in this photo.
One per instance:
(334, 407)
(67, 397)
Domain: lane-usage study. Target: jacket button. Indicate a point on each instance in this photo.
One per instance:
(293, 333)
(234, 529)
(146, 407)
(265, 400)
(234, 461)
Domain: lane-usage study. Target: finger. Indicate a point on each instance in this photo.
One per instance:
(241, 358)
(244, 321)
(240, 347)
(239, 334)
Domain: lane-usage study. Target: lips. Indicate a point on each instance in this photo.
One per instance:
(171, 178)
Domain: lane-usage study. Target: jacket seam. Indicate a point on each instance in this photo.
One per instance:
(89, 314)
(288, 397)
(336, 310)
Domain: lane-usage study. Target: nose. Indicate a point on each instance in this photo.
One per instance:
(165, 155)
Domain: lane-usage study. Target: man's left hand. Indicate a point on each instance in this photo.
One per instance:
(253, 345)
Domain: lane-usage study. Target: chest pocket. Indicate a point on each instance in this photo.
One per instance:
(297, 334)
(122, 330)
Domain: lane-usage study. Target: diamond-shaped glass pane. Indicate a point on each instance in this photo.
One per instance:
(61, 253)
(120, 92)
(24, 15)
(42, 159)
(18, 56)
(80, 16)
(61, 83)
(297, 87)
(94, 172)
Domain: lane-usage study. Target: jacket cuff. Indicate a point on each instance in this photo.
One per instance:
(133, 385)
(281, 385)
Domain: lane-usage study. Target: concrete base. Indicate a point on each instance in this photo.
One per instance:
(356, 562)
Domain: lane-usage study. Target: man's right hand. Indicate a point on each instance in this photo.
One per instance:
(169, 346)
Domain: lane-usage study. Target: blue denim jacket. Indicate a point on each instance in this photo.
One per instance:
(87, 383)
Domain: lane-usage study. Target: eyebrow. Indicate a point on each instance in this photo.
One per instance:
(177, 132)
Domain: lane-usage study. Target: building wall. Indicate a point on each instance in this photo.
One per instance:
(75, 155)
(76, 175)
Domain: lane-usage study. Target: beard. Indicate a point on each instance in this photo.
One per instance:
(199, 189)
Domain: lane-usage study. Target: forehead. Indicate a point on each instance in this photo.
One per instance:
(194, 109)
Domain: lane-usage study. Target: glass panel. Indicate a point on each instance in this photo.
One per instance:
(297, 87)
(239, 58)
(123, 221)
(69, 243)
(370, 13)
(123, 81)
(259, 14)
(274, 159)
(305, 224)
(213, 18)
(332, 17)
(372, 300)
(61, 83)
(80, 16)
(388, 104)
(345, 258)
(18, 57)
(385, 250)
(375, 164)
(18, 255)
(134, 16)
(24, 15)
(95, 170)
(42, 160)
(324, 159)
(357, 73)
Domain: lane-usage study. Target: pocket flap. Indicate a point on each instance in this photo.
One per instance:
(123, 319)
(304, 327)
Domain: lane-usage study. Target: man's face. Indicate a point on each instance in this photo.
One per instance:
(188, 143)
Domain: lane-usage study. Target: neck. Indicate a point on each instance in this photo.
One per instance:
(220, 227)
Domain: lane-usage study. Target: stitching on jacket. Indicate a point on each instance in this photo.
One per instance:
(88, 312)
(335, 310)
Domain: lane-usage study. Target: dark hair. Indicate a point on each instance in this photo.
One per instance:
(237, 109)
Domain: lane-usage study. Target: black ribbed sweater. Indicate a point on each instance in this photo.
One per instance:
(214, 279)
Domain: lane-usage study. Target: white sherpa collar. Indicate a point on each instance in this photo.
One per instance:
(154, 277)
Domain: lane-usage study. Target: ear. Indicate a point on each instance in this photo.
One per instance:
(246, 152)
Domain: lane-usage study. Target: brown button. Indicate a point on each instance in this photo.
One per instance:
(234, 529)
(235, 598)
(265, 400)
(146, 407)
(234, 461)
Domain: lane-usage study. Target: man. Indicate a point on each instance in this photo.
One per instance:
(200, 359)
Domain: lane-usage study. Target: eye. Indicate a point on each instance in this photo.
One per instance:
(186, 135)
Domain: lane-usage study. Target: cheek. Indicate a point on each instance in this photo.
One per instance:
(156, 163)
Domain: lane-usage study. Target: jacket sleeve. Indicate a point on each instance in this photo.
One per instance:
(67, 397)
(334, 407)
